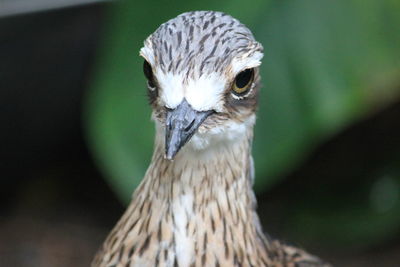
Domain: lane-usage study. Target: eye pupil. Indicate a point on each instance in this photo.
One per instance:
(148, 72)
(243, 82)
(243, 78)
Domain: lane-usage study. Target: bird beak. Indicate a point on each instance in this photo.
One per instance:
(181, 124)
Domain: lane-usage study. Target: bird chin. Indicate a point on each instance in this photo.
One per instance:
(199, 142)
(220, 136)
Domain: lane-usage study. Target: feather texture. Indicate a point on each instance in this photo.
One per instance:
(199, 209)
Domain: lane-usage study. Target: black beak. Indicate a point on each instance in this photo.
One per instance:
(181, 124)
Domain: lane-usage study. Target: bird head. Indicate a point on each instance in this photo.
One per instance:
(202, 71)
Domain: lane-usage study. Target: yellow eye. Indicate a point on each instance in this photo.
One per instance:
(243, 81)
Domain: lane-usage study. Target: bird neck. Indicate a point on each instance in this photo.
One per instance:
(198, 208)
(200, 198)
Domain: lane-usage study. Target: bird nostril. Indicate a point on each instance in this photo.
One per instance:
(187, 128)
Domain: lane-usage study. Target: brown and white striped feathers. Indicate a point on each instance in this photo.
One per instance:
(195, 205)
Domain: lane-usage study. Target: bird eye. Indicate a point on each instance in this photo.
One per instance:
(148, 72)
(243, 82)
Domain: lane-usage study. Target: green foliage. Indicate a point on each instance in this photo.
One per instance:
(326, 64)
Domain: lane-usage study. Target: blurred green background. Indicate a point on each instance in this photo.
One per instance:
(327, 140)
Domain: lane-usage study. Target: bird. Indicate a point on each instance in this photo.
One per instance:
(195, 205)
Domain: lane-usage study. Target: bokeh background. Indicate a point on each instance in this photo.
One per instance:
(76, 135)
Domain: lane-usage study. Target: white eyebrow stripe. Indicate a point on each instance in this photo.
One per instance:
(246, 62)
(147, 52)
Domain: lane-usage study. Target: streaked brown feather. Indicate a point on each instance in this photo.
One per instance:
(199, 209)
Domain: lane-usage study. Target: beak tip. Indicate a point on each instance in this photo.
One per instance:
(169, 155)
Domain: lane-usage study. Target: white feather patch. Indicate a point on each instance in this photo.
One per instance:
(206, 92)
(171, 89)
(246, 62)
(182, 209)
(147, 52)
(223, 134)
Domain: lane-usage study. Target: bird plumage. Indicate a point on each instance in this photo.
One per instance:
(195, 205)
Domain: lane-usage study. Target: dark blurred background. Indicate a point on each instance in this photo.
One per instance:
(76, 135)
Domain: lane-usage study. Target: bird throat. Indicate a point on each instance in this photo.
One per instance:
(193, 210)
